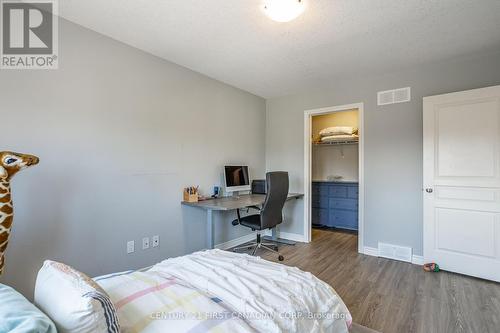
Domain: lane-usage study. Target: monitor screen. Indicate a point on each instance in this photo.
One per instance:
(236, 176)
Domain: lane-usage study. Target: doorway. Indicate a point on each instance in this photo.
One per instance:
(333, 191)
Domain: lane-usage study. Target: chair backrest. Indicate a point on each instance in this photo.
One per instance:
(277, 192)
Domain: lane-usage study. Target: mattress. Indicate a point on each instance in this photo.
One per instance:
(220, 291)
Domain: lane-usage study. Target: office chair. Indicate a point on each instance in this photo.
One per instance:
(270, 215)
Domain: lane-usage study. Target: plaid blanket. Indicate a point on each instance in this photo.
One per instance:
(151, 302)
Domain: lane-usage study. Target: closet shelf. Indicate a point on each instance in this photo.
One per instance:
(336, 143)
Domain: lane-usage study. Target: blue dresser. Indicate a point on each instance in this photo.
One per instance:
(335, 204)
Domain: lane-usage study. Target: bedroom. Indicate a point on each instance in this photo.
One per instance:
(149, 99)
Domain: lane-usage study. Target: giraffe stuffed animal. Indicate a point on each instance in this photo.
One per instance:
(10, 164)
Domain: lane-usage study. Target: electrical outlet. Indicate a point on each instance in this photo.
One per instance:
(156, 241)
(130, 247)
(145, 243)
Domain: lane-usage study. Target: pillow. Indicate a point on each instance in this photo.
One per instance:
(337, 130)
(18, 315)
(74, 301)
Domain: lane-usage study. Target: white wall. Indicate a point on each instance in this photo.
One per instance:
(119, 133)
(329, 161)
(393, 140)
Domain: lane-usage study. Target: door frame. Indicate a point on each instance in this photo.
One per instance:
(308, 114)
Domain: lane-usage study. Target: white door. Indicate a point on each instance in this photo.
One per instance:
(462, 182)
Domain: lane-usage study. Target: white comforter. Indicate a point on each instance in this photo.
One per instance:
(270, 297)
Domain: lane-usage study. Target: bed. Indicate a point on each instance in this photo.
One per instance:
(207, 291)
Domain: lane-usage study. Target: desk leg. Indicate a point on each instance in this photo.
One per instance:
(210, 229)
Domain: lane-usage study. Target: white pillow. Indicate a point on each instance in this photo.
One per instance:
(74, 301)
(337, 130)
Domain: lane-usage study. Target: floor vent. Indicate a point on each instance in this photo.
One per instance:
(393, 96)
(395, 252)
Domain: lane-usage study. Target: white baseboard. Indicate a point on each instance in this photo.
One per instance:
(288, 235)
(236, 242)
(417, 260)
(370, 251)
(251, 237)
(373, 251)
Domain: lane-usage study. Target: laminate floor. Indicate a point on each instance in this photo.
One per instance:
(392, 296)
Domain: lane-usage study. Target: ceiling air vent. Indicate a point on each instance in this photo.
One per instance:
(393, 96)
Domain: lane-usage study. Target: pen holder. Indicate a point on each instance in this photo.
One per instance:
(190, 197)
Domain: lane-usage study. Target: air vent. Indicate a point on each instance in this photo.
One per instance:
(395, 252)
(393, 96)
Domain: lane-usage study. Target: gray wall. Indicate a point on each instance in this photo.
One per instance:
(393, 140)
(119, 133)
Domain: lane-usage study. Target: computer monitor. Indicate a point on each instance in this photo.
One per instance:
(236, 178)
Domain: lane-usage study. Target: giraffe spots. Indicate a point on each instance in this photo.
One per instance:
(4, 236)
(5, 198)
(7, 223)
(7, 209)
(3, 248)
(4, 190)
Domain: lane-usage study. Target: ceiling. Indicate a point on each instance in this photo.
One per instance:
(234, 42)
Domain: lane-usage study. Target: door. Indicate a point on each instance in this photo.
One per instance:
(462, 182)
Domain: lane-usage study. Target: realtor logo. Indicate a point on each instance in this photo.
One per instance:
(29, 34)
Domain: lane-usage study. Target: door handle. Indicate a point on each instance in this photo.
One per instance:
(429, 190)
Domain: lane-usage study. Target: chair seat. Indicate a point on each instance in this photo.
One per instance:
(251, 221)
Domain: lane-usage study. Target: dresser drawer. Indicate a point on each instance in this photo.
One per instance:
(338, 191)
(319, 216)
(352, 192)
(343, 219)
(319, 201)
(338, 203)
(320, 189)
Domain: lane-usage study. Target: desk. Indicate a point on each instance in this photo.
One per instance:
(231, 203)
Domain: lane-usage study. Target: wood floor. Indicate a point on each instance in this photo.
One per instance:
(396, 297)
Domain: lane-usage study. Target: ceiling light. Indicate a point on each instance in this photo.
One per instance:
(283, 10)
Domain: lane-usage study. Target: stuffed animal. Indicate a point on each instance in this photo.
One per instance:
(10, 164)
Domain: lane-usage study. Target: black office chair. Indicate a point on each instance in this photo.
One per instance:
(271, 213)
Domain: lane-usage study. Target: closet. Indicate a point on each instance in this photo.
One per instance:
(335, 165)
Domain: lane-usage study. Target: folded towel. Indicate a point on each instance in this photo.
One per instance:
(338, 130)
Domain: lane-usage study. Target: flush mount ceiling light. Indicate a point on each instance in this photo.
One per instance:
(283, 10)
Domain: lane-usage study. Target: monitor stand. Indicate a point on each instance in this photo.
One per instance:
(235, 194)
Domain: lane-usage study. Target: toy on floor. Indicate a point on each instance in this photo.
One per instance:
(431, 267)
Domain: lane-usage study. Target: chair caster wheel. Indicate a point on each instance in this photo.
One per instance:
(281, 258)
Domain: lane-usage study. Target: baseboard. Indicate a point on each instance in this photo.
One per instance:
(417, 260)
(288, 235)
(373, 251)
(291, 236)
(370, 251)
(236, 242)
(251, 237)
